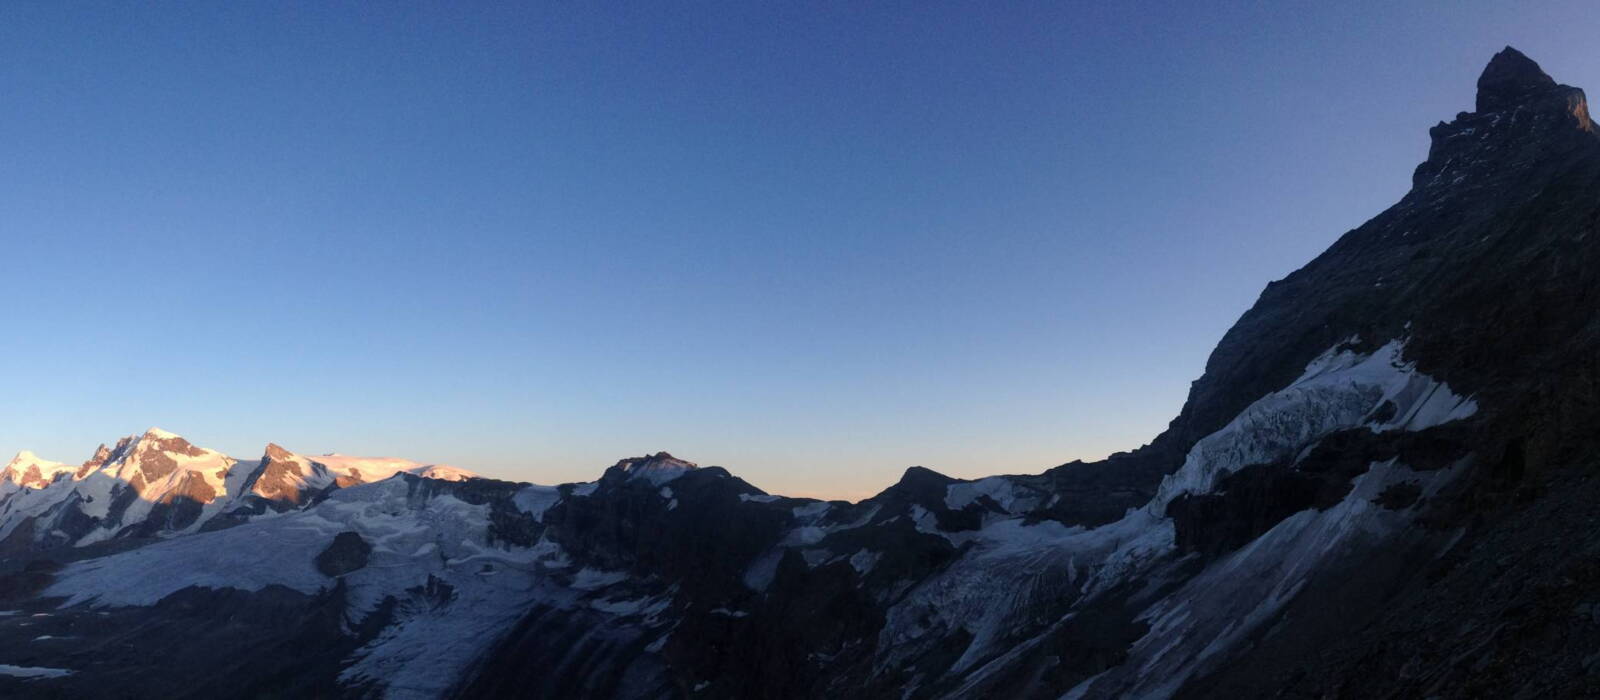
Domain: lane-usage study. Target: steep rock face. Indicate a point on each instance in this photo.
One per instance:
(1499, 290)
(1487, 268)
(1501, 192)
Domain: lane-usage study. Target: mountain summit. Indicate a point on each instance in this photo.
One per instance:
(1509, 79)
(657, 469)
(1514, 83)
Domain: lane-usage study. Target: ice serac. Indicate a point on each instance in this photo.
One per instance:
(1382, 485)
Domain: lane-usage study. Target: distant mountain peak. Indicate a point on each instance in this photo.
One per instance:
(657, 469)
(26, 458)
(28, 469)
(156, 439)
(276, 452)
(283, 480)
(917, 485)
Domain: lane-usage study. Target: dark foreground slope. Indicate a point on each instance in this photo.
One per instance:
(1381, 486)
(1494, 261)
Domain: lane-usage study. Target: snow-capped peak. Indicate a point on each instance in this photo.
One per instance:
(158, 441)
(158, 483)
(277, 452)
(27, 469)
(23, 457)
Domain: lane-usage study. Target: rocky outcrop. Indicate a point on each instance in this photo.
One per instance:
(348, 552)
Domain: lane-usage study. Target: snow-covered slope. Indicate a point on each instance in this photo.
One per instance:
(418, 539)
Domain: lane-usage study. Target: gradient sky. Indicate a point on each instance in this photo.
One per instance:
(814, 243)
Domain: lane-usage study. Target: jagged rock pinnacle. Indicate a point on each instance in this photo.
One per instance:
(1510, 78)
(101, 454)
(1524, 118)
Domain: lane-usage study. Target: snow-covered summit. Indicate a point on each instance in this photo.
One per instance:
(369, 469)
(28, 469)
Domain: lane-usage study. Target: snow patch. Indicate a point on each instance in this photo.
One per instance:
(32, 671)
(811, 510)
(535, 500)
(1004, 491)
(589, 578)
(864, 560)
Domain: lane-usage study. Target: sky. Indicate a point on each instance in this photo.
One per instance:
(815, 243)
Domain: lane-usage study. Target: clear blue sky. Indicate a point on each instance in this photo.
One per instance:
(815, 243)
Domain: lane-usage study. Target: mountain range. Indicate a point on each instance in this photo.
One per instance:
(1381, 486)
